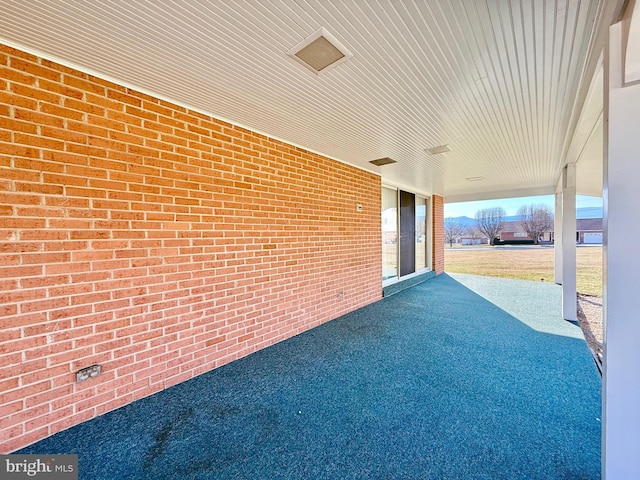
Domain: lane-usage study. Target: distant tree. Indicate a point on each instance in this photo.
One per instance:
(453, 231)
(535, 220)
(489, 222)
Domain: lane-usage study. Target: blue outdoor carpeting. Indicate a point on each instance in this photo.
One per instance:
(434, 382)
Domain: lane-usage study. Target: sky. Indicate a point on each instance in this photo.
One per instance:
(511, 205)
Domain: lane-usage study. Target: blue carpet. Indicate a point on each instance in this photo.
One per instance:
(434, 382)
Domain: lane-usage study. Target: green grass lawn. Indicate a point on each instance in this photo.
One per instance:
(526, 264)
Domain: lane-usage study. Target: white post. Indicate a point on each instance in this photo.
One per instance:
(557, 238)
(569, 305)
(621, 372)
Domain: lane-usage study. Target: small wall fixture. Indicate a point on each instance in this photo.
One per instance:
(319, 52)
(382, 161)
(439, 149)
(88, 372)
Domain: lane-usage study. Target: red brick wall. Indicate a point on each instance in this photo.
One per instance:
(157, 242)
(512, 236)
(438, 234)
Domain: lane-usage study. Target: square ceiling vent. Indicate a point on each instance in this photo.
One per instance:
(319, 52)
(382, 161)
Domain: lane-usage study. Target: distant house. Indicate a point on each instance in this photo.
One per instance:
(589, 230)
(513, 232)
(478, 240)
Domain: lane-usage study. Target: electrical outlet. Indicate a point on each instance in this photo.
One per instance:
(88, 372)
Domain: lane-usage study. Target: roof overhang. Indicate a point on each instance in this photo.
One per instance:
(511, 88)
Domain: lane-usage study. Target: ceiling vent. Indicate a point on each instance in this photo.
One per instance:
(382, 161)
(319, 52)
(474, 179)
(438, 149)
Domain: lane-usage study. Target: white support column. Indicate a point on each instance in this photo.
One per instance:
(569, 306)
(621, 373)
(557, 238)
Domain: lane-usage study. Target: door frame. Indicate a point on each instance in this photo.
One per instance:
(428, 235)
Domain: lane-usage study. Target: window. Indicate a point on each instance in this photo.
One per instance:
(389, 233)
(421, 233)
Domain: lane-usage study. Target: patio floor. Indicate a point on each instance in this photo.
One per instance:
(460, 377)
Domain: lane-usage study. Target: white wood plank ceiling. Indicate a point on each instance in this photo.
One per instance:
(503, 82)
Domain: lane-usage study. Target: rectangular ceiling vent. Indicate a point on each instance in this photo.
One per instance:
(382, 161)
(319, 52)
(439, 149)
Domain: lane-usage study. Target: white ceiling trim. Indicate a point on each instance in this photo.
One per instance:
(498, 194)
